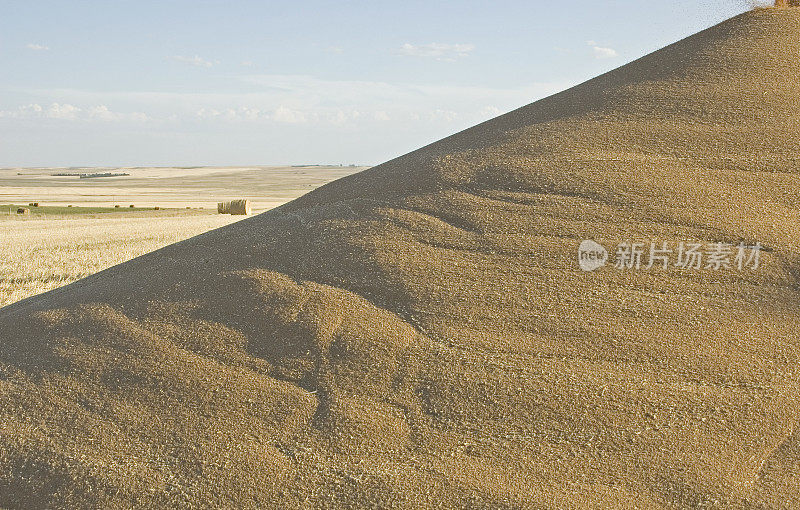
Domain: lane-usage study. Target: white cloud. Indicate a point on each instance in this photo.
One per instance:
(30, 110)
(282, 100)
(251, 113)
(101, 112)
(338, 50)
(37, 111)
(490, 111)
(289, 116)
(338, 117)
(37, 47)
(231, 114)
(247, 63)
(442, 115)
(196, 60)
(439, 51)
(294, 115)
(602, 52)
(66, 111)
(62, 111)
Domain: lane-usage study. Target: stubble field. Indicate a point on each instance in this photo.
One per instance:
(56, 245)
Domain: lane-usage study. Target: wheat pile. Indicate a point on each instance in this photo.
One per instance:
(420, 334)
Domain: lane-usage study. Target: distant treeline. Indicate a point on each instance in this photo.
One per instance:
(305, 166)
(89, 176)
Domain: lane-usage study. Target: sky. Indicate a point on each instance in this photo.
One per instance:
(237, 82)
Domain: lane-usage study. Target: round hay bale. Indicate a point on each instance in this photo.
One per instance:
(70, 205)
(156, 208)
(131, 206)
(241, 207)
(116, 207)
(23, 210)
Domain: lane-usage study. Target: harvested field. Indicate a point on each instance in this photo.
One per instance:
(38, 255)
(79, 229)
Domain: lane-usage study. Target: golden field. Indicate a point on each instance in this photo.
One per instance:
(40, 255)
(56, 245)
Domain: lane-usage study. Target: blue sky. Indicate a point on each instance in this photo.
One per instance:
(176, 82)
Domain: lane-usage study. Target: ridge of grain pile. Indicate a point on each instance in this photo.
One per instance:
(420, 335)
